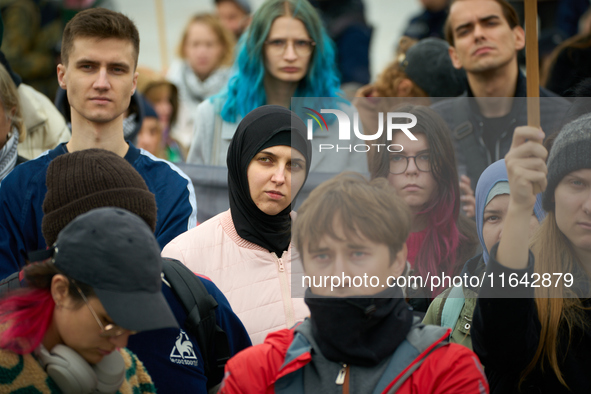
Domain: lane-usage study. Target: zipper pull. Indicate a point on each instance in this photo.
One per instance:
(281, 266)
(341, 376)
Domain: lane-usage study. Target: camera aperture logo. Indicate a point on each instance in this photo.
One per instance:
(344, 127)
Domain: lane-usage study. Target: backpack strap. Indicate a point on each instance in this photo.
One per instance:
(201, 320)
(410, 354)
(452, 307)
(412, 369)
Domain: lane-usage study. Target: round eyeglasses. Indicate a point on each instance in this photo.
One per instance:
(399, 163)
(108, 331)
(301, 47)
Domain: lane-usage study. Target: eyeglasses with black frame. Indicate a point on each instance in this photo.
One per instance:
(301, 47)
(108, 331)
(399, 163)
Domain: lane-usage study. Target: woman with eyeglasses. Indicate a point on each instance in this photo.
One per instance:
(67, 330)
(424, 173)
(284, 53)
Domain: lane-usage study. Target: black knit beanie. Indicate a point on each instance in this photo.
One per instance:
(571, 151)
(80, 181)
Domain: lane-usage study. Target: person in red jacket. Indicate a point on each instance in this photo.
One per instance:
(361, 336)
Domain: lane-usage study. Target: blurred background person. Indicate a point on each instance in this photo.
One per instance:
(346, 25)
(430, 22)
(162, 97)
(45, 126)
(422, 70)
(206, 53)
(12, 128)
(151, 137)
(234, 15)
(31, 40)
(569, 65)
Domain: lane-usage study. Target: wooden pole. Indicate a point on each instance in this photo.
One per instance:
(162, 34)
(532, 63)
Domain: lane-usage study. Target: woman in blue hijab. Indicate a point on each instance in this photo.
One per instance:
(454, 307)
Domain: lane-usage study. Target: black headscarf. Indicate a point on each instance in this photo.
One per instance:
(258, 130)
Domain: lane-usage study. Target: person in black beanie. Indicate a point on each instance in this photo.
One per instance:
(361, 335)
(80, 181)
(247, 248)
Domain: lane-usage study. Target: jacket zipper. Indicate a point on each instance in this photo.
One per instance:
(498, 144)
(483, 144)
(343, 378)
(285, 294)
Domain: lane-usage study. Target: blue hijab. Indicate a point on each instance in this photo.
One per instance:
(495, 173)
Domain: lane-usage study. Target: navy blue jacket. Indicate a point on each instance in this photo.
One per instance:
(22, 193)
(172, 356)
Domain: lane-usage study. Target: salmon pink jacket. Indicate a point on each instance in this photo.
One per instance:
(256, 282)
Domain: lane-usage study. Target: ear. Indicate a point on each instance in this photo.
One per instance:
(61, 72)
(134, 82)
(60, 289)
(399, 262)
(519, 35)
(404, 88)
(454, 57)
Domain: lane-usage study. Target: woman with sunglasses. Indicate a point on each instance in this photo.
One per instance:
(67, 330)
(424, 173)
(285, 53)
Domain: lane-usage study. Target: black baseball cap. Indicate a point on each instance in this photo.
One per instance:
(427, 63)
(115, 252)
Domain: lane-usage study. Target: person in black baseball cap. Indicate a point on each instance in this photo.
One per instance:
(99, 283)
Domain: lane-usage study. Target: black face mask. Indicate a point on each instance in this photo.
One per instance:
(359, 330)
(258, 130)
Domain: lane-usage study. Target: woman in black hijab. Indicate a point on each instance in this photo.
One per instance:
(246, 251)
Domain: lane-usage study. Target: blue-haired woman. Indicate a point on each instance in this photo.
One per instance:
(285, 53)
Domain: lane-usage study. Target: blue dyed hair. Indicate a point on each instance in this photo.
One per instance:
(245, 90)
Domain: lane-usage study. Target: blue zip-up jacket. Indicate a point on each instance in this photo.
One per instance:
(22, 193)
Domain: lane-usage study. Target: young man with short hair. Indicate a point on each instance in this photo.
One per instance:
(361, 336)
(485, 37)
(100, 49)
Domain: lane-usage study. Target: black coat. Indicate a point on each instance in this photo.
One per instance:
(505, 335)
